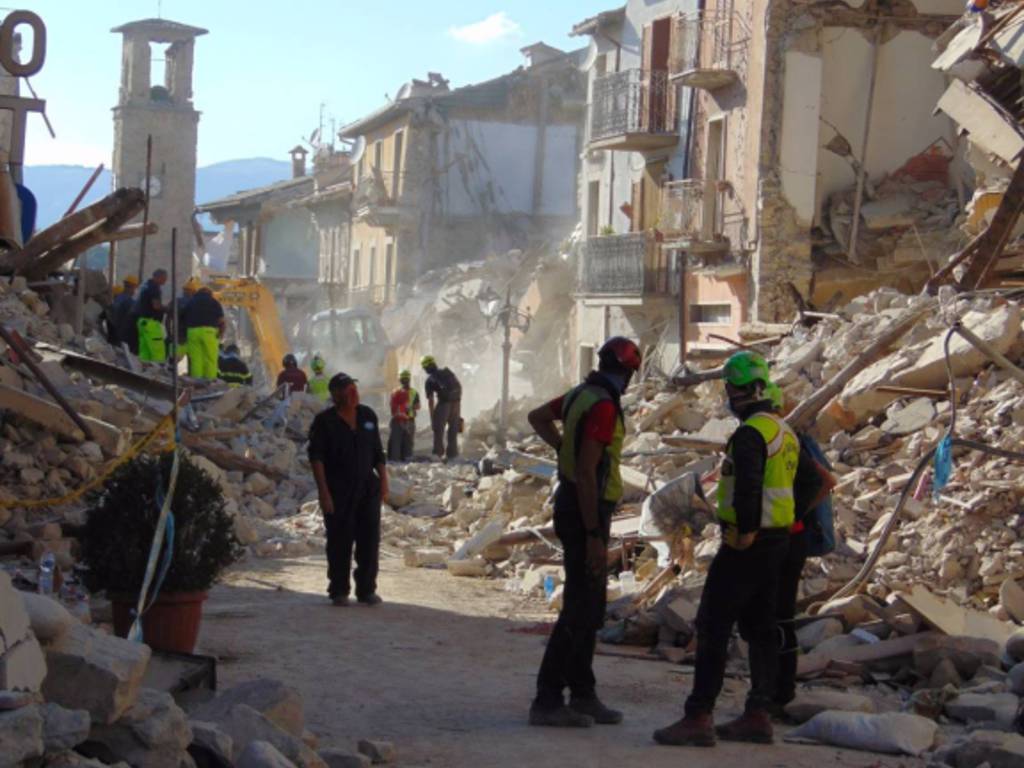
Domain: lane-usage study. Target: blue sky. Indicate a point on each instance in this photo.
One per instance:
(266, 66)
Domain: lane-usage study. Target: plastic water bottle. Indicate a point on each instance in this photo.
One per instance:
(47, 565)
(549, 586)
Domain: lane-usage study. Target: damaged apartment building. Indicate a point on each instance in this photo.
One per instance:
(744, 160)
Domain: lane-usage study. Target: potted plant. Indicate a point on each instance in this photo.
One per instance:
(118, 535)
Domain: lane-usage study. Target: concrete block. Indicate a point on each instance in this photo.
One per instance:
(23, 666)
(21, 736)
(96, 672)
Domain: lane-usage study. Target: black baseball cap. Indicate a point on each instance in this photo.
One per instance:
(340, 381)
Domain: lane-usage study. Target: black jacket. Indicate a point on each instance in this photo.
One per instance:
(350, 457)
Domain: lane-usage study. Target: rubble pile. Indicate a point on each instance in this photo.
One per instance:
(74, 696)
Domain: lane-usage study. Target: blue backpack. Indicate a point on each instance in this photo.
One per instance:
(819, 523)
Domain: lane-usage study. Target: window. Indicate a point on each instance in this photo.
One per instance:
(389, 263)
(593, 207)
(378, 155)
(373, 265)
(711, 314)
(396, 166)
(356, 277)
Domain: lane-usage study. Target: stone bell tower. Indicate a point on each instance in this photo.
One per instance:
(161, 107)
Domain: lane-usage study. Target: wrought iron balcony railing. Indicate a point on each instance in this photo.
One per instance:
(630, 265)
(633, 109)
(693, 214)
(709, 49)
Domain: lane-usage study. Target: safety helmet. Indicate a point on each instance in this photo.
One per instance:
(192, 285)
(620, 352)
(744, 368)
(428, 361)
(289, 360)
(317, 363)
(131, 280)
(405, 375)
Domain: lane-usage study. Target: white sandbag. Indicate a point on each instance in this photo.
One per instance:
(892, 733)
(673, 504)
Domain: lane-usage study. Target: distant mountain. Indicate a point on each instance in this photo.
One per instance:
(55, 186)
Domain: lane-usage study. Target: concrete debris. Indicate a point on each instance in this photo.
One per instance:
(280, 704)
(379, 752)
(262, 754)
(21, 736)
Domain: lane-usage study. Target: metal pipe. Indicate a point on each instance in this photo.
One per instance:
(174, 320)
(145, 207)
(858, 199)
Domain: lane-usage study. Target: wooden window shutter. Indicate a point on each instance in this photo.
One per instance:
(647, 56)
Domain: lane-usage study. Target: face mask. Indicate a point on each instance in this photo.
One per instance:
(617, 380)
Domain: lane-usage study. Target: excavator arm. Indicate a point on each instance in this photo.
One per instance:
(258, 302)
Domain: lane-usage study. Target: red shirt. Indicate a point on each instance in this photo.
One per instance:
(295, 378)
(401, 408)
(598, 424)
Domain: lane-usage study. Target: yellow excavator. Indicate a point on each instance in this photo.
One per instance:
(351, 340)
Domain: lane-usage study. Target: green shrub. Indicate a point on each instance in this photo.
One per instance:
(123, 516)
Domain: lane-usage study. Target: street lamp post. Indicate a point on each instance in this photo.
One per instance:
(508, 317)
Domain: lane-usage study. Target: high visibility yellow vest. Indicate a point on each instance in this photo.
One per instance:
(777, 504)
(575, 406)
(318, 385)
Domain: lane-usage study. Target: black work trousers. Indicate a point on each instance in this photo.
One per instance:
(447, 417)
(358, 528)
(569, 657)
(742, 586)
(400, 439)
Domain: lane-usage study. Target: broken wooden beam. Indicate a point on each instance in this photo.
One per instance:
(227, 459)
(53, 418)
(132, 231)
(807, 411)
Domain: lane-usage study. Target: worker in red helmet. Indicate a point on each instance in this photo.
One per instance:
(589, 448)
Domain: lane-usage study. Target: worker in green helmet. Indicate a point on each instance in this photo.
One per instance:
(318, 382)
(756, 509)
(405, 404)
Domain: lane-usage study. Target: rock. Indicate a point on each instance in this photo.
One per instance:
(378, 751)
(212, 742)
(96, 672)
(23, 667)
(245, 725)
(811, 635)
(153, 732)
(808, 703)
(260, 754)
(473, 567)
(47, 618)
(273, 699)
(944, 674)
(400, 491)
(14, 625)
(486, 536)
(423, 509)
(63, 728)
(339, 758)
(425, 557)
(993, 748)
(968, 654)
(21, 736)
(1011, 597)
(999, 708)
(853, 609)
(228, 405)
(1016, 679)
(1015, 645)
(258, 484)
(917, 415)
(833, 644)
(245, 530)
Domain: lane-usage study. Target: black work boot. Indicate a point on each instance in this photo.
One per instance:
(559, 716)
(692, 731)
(593, 706)
(754, 725)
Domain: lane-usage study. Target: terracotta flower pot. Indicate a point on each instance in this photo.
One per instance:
(171, 624)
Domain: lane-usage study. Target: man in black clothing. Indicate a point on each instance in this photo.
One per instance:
(349, 465)
(232, 369)
(446, 415)
(756, 509)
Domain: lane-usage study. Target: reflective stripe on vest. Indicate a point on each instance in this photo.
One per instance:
(783, 454)
(575, 406)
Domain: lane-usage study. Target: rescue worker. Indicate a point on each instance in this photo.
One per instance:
(318, 384)
(446, 414)
(203, 323)
(405, 404)
(188, 292)
(231, 368)
(120, 316)
(350, 468)
(149, 312)
(589, 450)
(756, 509)
(292, 375)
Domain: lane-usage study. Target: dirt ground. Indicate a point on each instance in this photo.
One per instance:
(438, 671)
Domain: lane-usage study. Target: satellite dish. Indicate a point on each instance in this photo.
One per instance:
(358, 149)
(591, 57)
(404, 92)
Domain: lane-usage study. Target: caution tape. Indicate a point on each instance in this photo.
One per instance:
(164, 423)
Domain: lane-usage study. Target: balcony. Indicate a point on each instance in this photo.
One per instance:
(375, 199)
(693, 215)
(633, 110)
(709, 50)
(622, 266)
